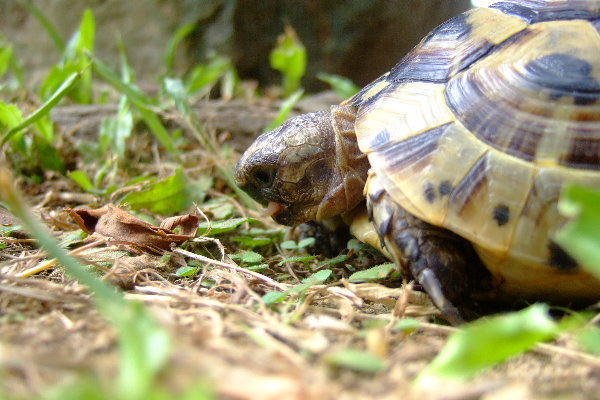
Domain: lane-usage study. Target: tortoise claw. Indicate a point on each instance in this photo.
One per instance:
(433, 287)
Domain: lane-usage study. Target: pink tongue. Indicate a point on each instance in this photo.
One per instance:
(272, 209)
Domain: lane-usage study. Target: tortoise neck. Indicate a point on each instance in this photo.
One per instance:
(350, 166)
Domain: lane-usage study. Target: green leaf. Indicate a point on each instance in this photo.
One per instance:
(186, 271)
(220, 208)
(45, 129)
(580, 237)
(374, 273)
(406, 325)
(332, 261)
(75, 59)
(356, 360)
(289, 58)
(6, 55)
(167, 197)
(248, 257)
(486, 342)
(315, 279)
(144, 348)
(357, 247)
(82, 40)
(10, 116)
(589, 340)
(274, 297)
(217, 227)
(55, 77)
(306, 242)
(204, 76)
(318, 277)
(343, 87)
(289, 245)
(80, 178)
(258, 267)
(296, 259)
(10, 63)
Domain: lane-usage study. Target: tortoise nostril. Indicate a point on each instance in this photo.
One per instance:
(263, 176)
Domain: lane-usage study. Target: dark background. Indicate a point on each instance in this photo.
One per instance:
(358, 39)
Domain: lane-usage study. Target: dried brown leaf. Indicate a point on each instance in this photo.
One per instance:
(118, 225)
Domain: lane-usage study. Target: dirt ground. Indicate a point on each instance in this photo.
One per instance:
(224, 335)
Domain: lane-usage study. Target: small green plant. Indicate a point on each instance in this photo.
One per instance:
(11, 71)
(170, 195)
(75, 58)
(489, 341)
(356, 360)
(375, 273)
(289, 58)
(39, 148)
(581, 236)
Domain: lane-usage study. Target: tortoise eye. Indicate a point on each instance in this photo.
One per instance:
(263, 176)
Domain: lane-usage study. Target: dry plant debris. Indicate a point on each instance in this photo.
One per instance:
(117, 225)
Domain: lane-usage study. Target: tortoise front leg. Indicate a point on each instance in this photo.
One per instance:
(444, 263)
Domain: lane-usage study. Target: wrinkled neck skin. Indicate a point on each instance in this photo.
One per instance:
(309, 168)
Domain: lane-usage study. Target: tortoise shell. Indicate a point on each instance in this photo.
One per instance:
(479, 127)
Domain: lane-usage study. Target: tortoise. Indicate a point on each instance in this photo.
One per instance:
(452, 162)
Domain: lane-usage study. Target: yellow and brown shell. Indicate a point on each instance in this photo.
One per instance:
(481, 125)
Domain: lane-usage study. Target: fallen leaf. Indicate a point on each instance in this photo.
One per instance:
(117, 225)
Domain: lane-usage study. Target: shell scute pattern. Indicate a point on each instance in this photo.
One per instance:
(538, 97)
(448, 49)
(534, 11)
(565, 76)
(480, 126)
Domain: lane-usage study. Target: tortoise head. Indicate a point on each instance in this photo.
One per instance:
(309, 168)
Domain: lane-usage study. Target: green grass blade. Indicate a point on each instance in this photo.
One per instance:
(181, 33)
(6, 55)
(59, 43)
(140, 101)
(45, 108)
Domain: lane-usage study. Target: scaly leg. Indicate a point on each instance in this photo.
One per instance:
(444, 263)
